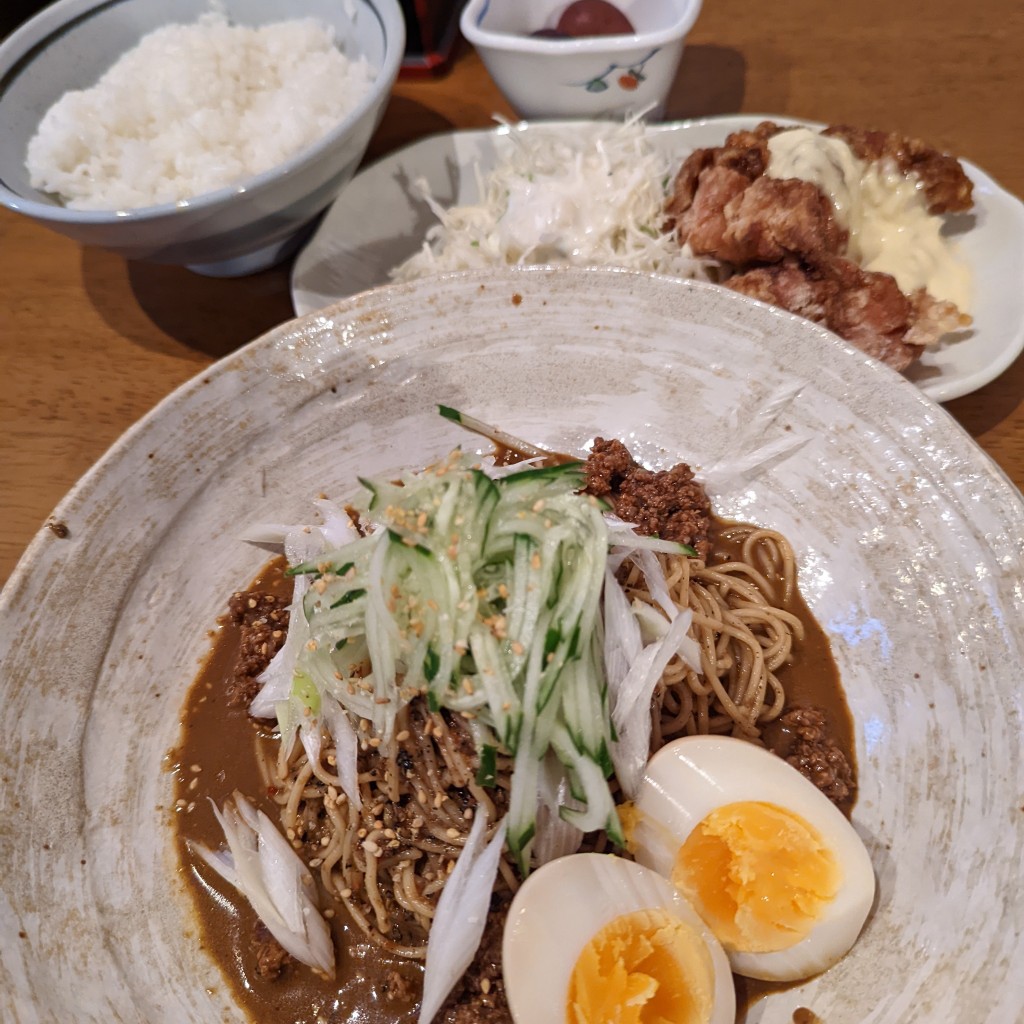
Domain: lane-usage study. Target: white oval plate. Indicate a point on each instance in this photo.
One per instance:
(379, 220)
(910, 553)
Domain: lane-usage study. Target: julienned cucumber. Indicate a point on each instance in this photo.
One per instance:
(482, 594)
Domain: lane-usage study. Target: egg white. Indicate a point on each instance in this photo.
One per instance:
(562, 906)
(690, 777)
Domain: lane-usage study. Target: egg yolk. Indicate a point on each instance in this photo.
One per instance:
(760, 876)
(646, 967)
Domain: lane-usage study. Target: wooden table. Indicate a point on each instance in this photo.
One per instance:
(89, 343)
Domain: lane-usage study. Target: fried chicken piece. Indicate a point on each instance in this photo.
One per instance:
(701, 189)
(744, 152)
(783, 235)
(866, 308)
(946, 186)
(933, 318)
(762, 221)
(703, 224)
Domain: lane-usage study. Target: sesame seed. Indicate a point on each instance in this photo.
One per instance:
(485, 985)
(402, 736)
(452, 833)
(345, 893)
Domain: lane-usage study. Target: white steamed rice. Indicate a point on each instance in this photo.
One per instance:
(193, 108)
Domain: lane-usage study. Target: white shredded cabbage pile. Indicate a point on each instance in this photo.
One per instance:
(586, 198)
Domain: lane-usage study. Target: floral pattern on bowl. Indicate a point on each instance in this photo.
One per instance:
(630, 80)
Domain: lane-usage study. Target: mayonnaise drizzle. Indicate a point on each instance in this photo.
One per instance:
(884, 211)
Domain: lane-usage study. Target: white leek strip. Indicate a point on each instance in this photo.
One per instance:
(265, 533)
(631, 704)
(622, 639)
(262, 865)
(346, 747)
(748, 455)
(624, 534)
(461, 915)
(555, 837)
(657, 585)
(309, 734)
(337, 529)
(654, 626)
(492, 433)
(383, 640)
(275, 680)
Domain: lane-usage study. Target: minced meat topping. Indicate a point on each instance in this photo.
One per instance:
(669, 503)
(263, 624)
(802, 736)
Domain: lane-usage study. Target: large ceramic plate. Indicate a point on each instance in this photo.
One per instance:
(910, 549)
(379, 220)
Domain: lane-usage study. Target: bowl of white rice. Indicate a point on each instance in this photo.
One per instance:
(207, 133)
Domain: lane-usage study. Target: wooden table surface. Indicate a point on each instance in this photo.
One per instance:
(89, 343)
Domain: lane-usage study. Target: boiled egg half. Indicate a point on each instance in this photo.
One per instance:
(770, 864)
(595, 939)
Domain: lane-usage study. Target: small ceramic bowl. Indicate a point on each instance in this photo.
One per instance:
(239, 229)
(596, 76)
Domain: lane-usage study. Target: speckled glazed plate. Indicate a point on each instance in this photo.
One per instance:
(380, 219)
(909, 543)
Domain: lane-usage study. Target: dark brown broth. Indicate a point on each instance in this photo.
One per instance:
(221, 741)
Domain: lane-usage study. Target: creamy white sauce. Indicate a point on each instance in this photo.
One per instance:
(890, 228)
(547, 215)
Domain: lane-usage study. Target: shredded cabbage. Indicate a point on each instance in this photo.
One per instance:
(593, 197)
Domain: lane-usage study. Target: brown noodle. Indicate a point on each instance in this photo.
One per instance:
(388, 860)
